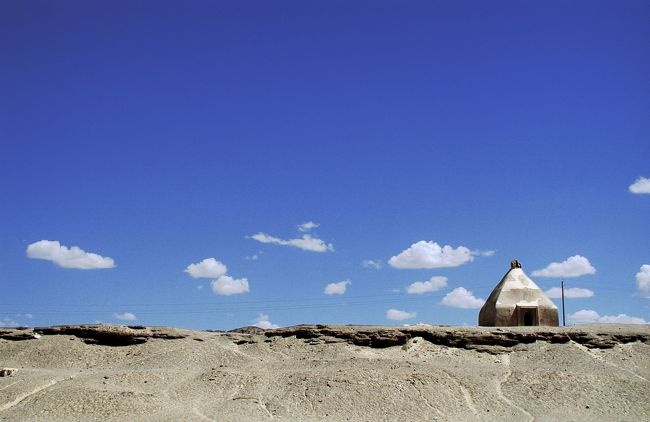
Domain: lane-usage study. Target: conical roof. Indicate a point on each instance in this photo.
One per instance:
(514, 290)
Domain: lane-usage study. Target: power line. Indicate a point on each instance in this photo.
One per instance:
(207, 308)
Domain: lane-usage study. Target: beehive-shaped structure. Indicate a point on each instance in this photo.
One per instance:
(517, 301)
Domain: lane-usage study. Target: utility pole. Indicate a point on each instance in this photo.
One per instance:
(563, 313)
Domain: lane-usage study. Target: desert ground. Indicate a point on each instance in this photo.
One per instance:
(317, 372)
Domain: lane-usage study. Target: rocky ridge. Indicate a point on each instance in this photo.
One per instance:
(484, 339)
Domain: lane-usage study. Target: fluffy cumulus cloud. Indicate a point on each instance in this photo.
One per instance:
(397, 315)
(337, 288)
(310, 225)
(227, 286)
(262, 321)
(643, 280)
(572, 293)
(74, 257)
(588, 316)
(421, 287)
(427, 255)
(222, 284)
(208, 268)
(574, 266)
(372, 263)
(125, 316)
(306, 242)
(462, 298)
(642, 185)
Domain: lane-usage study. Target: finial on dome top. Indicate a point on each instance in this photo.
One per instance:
(515, 264)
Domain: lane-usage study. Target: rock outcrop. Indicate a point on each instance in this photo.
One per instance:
(108, 335)
(601, 336)
(491, 340)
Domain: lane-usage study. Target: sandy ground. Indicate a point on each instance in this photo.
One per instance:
(236, 377)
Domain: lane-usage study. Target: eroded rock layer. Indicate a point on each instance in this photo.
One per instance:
(480, 338)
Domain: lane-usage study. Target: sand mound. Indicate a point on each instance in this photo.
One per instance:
(100, 372)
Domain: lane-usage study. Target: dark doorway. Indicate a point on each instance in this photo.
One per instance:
(528, 318)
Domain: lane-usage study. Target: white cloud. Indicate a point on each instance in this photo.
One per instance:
(8, 322)
(262, 321)
(125, 316)
(434, 284)
(74, 257)
(476, 252)
(587, 316)
(305, 227)
(573, 292)
(337, 288)
(226, 286)
(253, 257)
(643, 280)
(621, 319)
(642, 185)
(584, 316)
(372, 263)
(574, 266)
(429, 255)
(208, 268)
(306, 243)
(222, 284)
(397, 315)
(462, 298)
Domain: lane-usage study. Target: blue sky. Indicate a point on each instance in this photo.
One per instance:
(157, 135)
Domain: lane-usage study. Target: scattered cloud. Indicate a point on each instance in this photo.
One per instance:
(305, 227)
(476, 252)
(306, 242)
(372, 263)
(221, 284)
(427, 255)
(643, 280)
(208, 268)
(573, 292)
(74, 257)
(588, 316)
(642, 185)
(8, 322)
(462, 298)
(226, 286)
(253, 257)
(574, 266)
(337, 288)
(262, 321)
(421, 287)
(125, 316)
(397, 315)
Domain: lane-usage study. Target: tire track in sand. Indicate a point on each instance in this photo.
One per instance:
(28, 394)
(602, 360)
(505, 361)
(465, 393)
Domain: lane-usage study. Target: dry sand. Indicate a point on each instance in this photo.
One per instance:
(327, 372)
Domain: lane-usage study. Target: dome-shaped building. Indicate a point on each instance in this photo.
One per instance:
(517, 301)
